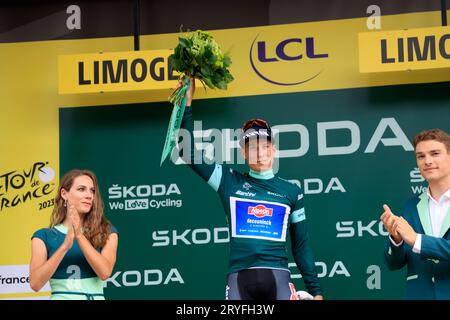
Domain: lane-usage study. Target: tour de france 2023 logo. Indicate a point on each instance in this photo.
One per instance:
(24, 185)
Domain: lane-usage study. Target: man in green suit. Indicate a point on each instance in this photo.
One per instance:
(420, 237)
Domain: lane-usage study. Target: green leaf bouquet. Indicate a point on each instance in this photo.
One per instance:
(198, 55)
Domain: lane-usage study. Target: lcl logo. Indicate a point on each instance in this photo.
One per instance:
(303, 48)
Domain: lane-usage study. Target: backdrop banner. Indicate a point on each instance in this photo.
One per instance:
(349, 150)
(344, 137)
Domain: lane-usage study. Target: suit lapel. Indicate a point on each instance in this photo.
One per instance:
(445, 224)
(424, 214)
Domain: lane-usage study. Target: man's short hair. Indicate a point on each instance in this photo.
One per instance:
(433, 134)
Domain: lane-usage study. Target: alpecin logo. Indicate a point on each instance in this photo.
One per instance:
(20, 186)
(260, 211)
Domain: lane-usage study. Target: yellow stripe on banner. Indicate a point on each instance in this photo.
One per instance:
(24, 295)
(401, 50)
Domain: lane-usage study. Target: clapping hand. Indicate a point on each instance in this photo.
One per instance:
(389, 219)
(74, 217)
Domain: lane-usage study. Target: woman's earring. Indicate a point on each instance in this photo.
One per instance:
(65, 203)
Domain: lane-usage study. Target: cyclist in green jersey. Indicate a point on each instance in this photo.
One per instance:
(261, 209)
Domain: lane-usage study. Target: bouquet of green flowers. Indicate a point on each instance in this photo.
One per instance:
(199, 56)
(196, 56)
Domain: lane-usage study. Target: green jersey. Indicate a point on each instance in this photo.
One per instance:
(260, 209)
